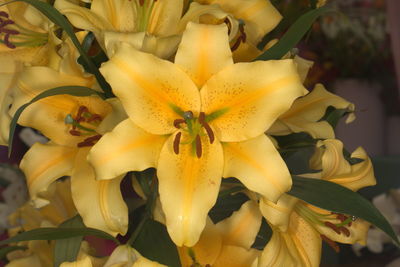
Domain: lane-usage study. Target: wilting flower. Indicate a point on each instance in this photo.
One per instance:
(195, 121)
(306, 113)
(227, 243)
(73, 125)
(299, 227)
(149, 25)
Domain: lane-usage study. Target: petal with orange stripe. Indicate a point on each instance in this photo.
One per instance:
(100, 203)
(188, 187)
(126, 148)
(204, 51)
(154, 92)
(41, 169)
(258, 165)
(244, 99)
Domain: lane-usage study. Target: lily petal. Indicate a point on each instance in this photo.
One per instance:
(260, 16)
(120, 14)
(150, 89)
(85, 262)
(188, 187)
(259, 166)
(249, 97)
(278, 214)
(126, 148)
(100, 203)
(242, 227)
(306, 112)
(41, 170)
(333, 161)
(234, 256)
(204, 51)
(165, 17)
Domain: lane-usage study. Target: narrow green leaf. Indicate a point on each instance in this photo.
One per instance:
(293, 35)
(336, 198)
(55, 16)
(4, 251)
(154, 243)
(68, 249)
(62, 90)
(57, 233)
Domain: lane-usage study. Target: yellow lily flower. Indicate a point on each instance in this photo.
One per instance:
(302, 226)
(257, 18)
(73, 125)
(149, 25)
(26, 35)
(306, 112)
(194, 137)
(227, 243)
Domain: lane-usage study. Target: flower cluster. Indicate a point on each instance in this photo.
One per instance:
(191, 121)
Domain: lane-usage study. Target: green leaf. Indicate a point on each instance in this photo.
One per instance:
(263, 236)
(55, 16)
(50, 233)
(226, 205)
(62, 90)
(4, 251)
(336, 198)
(333, 115)
(68, 249)
(154, 243)
(293, 35)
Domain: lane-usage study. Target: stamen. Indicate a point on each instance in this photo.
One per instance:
(198, 146)
(333, 227)
(3, 14)
(228, 24)
(94, 117)
(188, 115)
(7, 42)
(177, 141)
(241, 39)
(75, 133)
(345, 231)
(178, 122)
(210, 133)
(90, 141)
(141, 2)
(331, 243)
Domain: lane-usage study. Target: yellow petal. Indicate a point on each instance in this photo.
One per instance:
(124, 255)
(304, 66)
(204, 51)
(258, 165)
(165, 17)
(242, 227)
(82, 17)
(9, 70)
(333, 161)
(194, 182)
(31, 261)
(361, 175)
(100, 203)
(278, 214)
(120, 14)
(233, 256)
(300, 246)
(162, 47)
(260, 16)
(113, 118)
(48, 114)
(112, 40)
(306, 112)
(85, 262)
(250, 97)
(150, 89)
(246, 52)
(206, 250)
(126, 148)
(41, 170)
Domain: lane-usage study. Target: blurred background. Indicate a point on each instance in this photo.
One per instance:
(356, 51)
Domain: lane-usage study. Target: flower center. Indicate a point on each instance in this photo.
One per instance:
(84, 124)
(328, 220)
(195, 128)
(144, 10)
(13, 35)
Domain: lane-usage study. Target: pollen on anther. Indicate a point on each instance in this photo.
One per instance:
(198, 146)
(177, 141)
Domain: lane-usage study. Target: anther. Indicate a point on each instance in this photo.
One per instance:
(228, 24)
(210, 133)
(177, 141)
(75, 133)
(345, 231)
(90, 141)
(178, 122)
(333, 227)
(331, 243)
(3, 14)
(141, 2)
(94, 117)
(198, 146)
